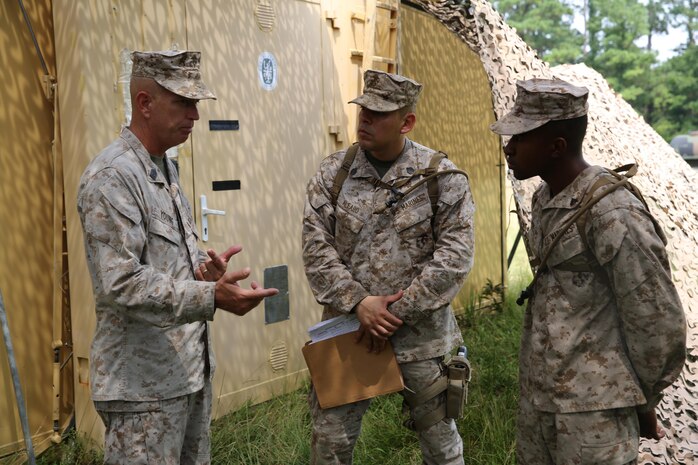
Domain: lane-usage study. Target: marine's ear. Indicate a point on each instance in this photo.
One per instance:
(410, 119)
(559, 146)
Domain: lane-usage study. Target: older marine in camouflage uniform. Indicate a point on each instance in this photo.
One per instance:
(361, 247)
(151, 361)
(604, 330)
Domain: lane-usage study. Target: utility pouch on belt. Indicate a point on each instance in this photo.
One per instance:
(458, 378)
(454, 381)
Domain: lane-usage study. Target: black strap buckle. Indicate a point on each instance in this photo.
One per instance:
(525, 295)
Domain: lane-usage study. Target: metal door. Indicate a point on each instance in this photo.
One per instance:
(252, 154)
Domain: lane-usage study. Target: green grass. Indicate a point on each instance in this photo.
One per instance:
(278, 431)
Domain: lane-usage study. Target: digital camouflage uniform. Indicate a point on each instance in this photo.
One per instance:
(608, 338)
(151, 361)
(361, 248)
(604, 331)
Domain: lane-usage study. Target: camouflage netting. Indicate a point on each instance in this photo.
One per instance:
(616, 135)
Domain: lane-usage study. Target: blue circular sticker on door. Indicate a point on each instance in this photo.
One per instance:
(267, 70)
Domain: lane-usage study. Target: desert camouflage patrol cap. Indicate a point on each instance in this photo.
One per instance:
(539, 101)
(175, 70)
(387, 92)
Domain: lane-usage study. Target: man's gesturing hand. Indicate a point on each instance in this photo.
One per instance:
(229, 296)
(214, 268)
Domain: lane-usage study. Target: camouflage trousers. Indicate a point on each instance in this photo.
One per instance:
(172, 431)
(609, 437)
(335, 430)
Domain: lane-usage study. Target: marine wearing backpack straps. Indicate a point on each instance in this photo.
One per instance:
(343, 172)
(630, 170)
(430, 174)
(433, 183)
(616, 180)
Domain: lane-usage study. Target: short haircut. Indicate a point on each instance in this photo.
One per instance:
(412, 108)
(572, 130)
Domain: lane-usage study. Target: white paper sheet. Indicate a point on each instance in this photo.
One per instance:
(333, 327)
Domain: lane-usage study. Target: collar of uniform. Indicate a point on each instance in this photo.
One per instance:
(404, 163)
(152, 172)
(571, 195)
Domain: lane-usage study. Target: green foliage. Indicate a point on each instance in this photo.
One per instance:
(73, 450)
(658, 18)
(546, 25)
(675, 95)
(279, 431)
(614, 28)
(684, 15)
(619, 46)
(274, 432)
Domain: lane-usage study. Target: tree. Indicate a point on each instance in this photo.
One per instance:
(658, 20)
(614, 27)
(545, 25)
(675, 95)
(665, 94)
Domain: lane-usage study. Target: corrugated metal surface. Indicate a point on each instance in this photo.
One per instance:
(453, 115)
(27, 227)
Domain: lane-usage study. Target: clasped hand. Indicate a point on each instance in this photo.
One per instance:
(377, 323)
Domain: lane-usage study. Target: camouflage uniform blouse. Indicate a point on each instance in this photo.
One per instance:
(362, 248)
(611, 336)
(151, 337)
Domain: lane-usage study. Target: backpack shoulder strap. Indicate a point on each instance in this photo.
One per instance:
(582, 220)
(433, 182)
(604, 180)
(343, 172)
(579, 218)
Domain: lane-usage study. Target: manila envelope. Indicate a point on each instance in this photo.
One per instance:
(344, 371)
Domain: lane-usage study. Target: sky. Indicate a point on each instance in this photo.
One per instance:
(663, 44)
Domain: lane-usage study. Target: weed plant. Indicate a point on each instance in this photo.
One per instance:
(278, 432)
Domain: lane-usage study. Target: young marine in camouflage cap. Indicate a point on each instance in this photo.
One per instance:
(374, 248)
(604, 331)
(151, 361)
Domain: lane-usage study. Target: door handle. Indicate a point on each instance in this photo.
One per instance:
(205, 211)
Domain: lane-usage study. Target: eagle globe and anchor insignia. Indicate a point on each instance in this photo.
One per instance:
(267, 70)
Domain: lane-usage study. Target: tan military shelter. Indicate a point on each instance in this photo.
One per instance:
(283, 71)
